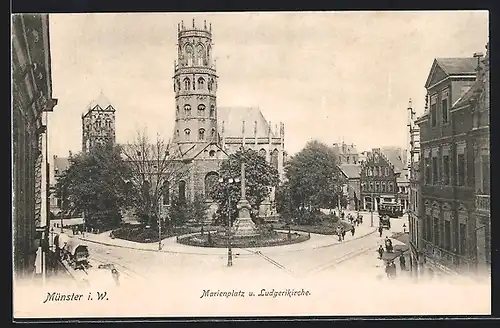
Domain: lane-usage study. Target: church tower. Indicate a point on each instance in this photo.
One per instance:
(195, 86)
(98, 124)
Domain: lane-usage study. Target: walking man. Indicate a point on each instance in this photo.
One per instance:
(353, 230)
(380, 251)
(380, 230)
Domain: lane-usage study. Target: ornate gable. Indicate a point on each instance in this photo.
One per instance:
(436, 74)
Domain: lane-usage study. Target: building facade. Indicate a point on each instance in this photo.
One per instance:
(352, 175)
(377, 180)
(98, 124)
(480, 135)
(31, 102)
(447, 182)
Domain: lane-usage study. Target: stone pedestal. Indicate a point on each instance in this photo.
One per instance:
(244, 226)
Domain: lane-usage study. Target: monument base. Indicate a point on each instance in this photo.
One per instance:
(243, 225)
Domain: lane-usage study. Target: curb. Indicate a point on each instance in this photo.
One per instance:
(194, 253)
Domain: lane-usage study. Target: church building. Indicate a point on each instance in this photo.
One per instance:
(204, 133)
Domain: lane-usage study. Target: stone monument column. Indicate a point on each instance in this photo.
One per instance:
(244, 226)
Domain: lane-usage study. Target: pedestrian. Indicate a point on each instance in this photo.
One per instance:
(380, 230)
(380, 251)
(343, 234)
(353, 230)
(116, 276)
(339, 232)
(402, 263)
(388, 245)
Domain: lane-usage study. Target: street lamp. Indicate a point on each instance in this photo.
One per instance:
(229, 223)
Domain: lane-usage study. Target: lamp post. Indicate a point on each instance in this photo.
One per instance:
(229, 223)
(371, 212)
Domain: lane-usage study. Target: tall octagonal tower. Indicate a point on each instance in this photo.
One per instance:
(195, 86)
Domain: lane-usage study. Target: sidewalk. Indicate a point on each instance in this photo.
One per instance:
(170, 244)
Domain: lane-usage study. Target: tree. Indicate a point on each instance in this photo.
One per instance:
(154, 170)
(260, 178)
(198, 209)
(95, 185)
(313, 177)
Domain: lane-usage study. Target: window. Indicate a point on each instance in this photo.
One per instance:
(212, 111)
(428, 230)
(201, 134)
(201, 110)
(461, 169)
(187, 110)
(446, 169)
(212, 133)
(187, 83)
(427, 164)
(166, 193)
(211, 153)
(386, 171)
(274, 159)
(485, 173)
(384, 187)
(436, 231)
(201, 83)
(139, 154)
(371, 186)
(447, 235)
(462, 238)
(435, 175)
(177, 111)
(433, 111)
(187, 133)
(391, 187)
(182, 191)
(444, 106)
(177, 133)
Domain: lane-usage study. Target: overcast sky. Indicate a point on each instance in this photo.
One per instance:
(327, 76)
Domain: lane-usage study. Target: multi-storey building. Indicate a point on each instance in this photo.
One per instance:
(378, 180)
(398, 157)
(31, 100)
(480, 107)
(347, 154)
(414, 225)
(448, 229)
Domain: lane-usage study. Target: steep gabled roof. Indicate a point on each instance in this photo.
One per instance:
(351, 171)
(233, 118)
(396, 157)
(102, 101)
(445, 67)
(464, 99)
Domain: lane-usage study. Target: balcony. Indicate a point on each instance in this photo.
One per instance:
(444, 259)
(483, 203)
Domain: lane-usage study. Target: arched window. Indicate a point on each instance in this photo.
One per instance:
(371, 186)
(211, 153)
(201, 110)
(201, 83)
(274, 158)
(190, 54)
(182, 191)
(187, 133)
(212, 111)
(177, 110)
(211, 180)
(187, 110)
(201, 134)
(391, 187)
(200, 55)
(177, 132)
(262, 152)
(166, 193)
(178, 84)
(209, 85)
(187, 83)
(384, 187)
(212, 133)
